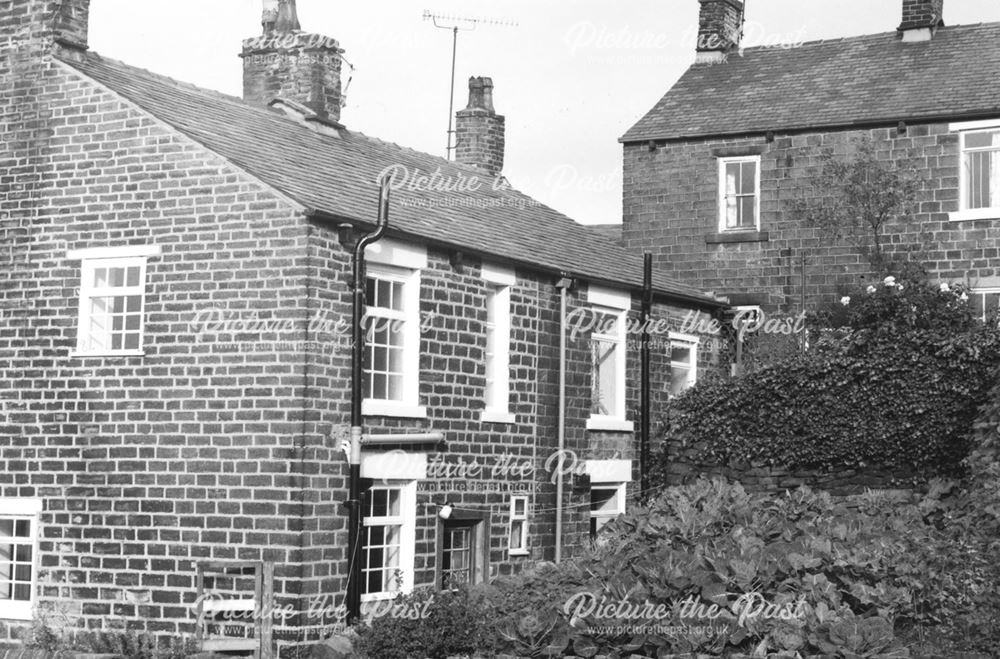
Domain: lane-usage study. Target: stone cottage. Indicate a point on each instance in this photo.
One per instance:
(713, 170)
(176, 330)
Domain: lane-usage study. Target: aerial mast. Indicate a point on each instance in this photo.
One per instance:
(465, 24)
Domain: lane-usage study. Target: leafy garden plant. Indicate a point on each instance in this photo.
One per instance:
(695, 570)
(893, 379)
(126, 644)
(858, 197)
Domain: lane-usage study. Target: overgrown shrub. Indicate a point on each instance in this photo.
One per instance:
(898, 304)
(895, 383)
(428, 624)
(862, 576)
(965, 569)
(127, 644)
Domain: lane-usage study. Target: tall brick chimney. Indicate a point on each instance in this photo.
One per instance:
(287, 63)
(31, 27)
(479, 130)
(71, 23)
(720, 28)
(921, 18)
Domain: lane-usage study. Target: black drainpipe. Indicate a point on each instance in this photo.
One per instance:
(647, 309)
(357, 356)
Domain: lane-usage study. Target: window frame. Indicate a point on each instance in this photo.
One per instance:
(408, 405)
(964, 212)
(618, 304)
(30, 510)
(407, 522)
(477, 526)
(523, 519)
(982, 293)
(721, 204)
(692, 366)
(499, 282)
(110, 257)
(620, 489)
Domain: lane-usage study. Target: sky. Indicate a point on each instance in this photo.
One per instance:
(570, 76)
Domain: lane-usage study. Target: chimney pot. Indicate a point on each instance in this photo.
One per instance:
(720, 28)
(479, 130)
(481, 94)
(270, 16)
(288, 17)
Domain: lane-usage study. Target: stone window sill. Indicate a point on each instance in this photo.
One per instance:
(376, 407)
(496, 416)
(975, 214)
(107, 353)
(737, 237)
(608, 423)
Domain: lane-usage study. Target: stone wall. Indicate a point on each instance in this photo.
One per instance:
(671, 208)
(684, 466)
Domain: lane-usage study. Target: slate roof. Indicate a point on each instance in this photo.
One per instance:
(337, 177)
(870, 79)
(611, 232)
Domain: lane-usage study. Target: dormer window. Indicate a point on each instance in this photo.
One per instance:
(739, 193)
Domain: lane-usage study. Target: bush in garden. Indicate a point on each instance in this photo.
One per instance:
(900, 304)
(455, 624)
(865, 576)
(966, 565)
(894, 383)
(49, 633)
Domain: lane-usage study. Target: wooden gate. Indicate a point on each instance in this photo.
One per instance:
(235, 606)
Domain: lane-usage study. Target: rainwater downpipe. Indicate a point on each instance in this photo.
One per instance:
(563, 285)
(357, 354)
(645, 382)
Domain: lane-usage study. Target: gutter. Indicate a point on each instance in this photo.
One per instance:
(356, 513)
(645, 384)
(701, 301)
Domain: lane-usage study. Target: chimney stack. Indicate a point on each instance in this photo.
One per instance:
(921, 18)
(287, 63)
(720, 28)
(70, 24)
(479, 130)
